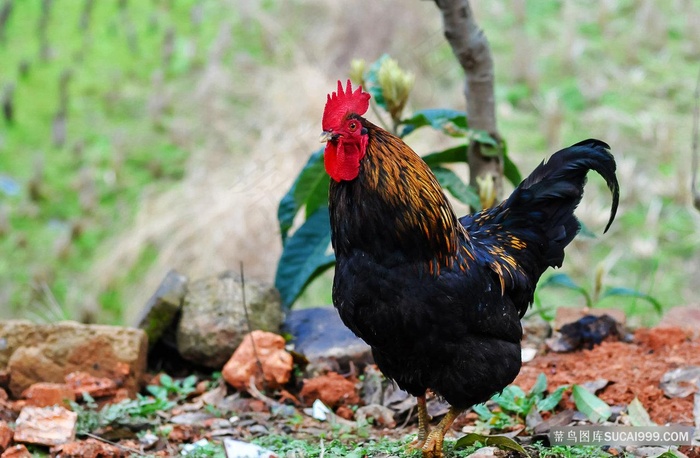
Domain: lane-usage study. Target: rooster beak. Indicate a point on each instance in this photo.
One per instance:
(326, 135)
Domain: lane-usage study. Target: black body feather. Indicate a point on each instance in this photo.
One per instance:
(439, 299)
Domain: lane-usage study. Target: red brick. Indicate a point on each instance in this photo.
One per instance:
(16, 451)
(6, 435)
(46, 425)
(89, 448)
(45, 394)
(82, 382)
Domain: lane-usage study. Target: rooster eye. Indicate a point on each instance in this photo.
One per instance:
(352, 126)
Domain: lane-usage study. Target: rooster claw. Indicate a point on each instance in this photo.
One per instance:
(432, 446)
(416, 444)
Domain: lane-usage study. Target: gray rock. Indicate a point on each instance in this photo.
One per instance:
(213, 320)
(163, 307)
(325, 341)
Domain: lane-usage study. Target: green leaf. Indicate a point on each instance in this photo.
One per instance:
(305, 256)
(562, 280)
(482, 411)
(165, 380)
(627, 292)
(451, 182)
(551, 401)
(590, 405)
(450, 155)
(483, 137)
(502, 442)
(668, 454)
(638, 415)
(372, 82)
(540, 385)
(513, 399)
(310, 188)
(510, 171)
(451, 122)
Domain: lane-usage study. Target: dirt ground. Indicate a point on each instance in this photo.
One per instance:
(633, 370)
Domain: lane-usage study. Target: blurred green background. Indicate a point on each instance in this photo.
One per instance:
(139, 136)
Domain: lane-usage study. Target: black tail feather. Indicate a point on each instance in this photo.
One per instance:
(528, 232)
(570, 165)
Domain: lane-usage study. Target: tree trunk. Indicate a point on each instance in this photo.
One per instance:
(471, 48)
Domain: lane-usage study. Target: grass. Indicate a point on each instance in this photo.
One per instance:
(386, 447)
(63, 200)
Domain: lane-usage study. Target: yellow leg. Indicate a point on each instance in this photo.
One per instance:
(432, 448)
(423, 424)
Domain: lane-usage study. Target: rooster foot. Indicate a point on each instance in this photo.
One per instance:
(432, 446)
(423, 425)
(416, 444)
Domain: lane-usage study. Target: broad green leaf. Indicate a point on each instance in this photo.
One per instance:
(510, 171)
(551, 401)
(459, 154)
(482, 411)
(372, 81)
(562, 280)
(454, 154)
(285, 213)
(311, 187)
(513, 399)
(502, 442)
(451, 182)
(540, 385)
(638, 415)
(305, 256)
(483, 137)
(451, 122)
(627, 292)
(307, 189)
(668, 454)
(590, 405)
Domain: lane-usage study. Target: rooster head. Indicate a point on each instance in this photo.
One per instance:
(344, 133)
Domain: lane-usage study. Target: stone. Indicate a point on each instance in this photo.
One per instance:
(16, 451)
(239, 449)
(588, 331)
(6, 435)
(46, 425)
(259, 350)
(332, 389)
(566, 315)
(12, 335)
(488, 452)
(320, 335)
(49, 352)
(163, 307)
(45, 394)
(213, 321)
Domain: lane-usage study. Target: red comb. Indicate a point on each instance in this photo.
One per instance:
(340, 103)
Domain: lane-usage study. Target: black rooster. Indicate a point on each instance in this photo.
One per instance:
(439, 299)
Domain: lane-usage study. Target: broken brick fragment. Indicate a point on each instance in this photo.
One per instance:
(89, 448)
(45, 394)
(97, 387)
(6, 435)
(259, 352)
(45, 425)
(16, 451)
(332, 389)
